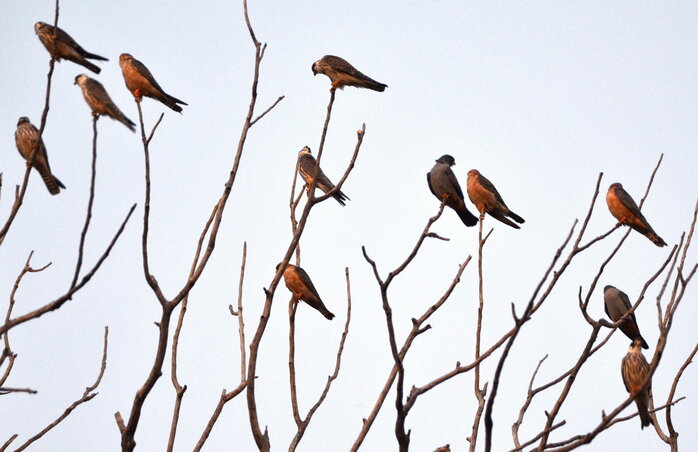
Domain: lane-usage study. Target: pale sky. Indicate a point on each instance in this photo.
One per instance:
(538, 96)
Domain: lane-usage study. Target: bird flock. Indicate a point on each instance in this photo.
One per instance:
(441, 180)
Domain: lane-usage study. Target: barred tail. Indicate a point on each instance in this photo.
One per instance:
(52, 183)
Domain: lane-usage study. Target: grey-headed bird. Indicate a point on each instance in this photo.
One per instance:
(444, 185)
(65, 46)
(342, 74)
(616, 304)
(306, 168)
(99, 101)
(27, 140)
(488, 200)
(140, 82)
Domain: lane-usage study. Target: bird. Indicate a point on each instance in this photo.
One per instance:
(27, 139)
(342, 74)
(306, 168)
(65, 46)
(444, 185)
(302, 288)
(635, 370)
(488, 200)
(140, 82)
(623, 207)
(616, 304)
(99, 101)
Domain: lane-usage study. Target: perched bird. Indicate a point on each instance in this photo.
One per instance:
(27, 139)
(302, 288)
(444, 185)
(342, 74)
(635, 369)
(306, 168)
(141, 83)
(65, 46)
(488, 200)
(623, 207)
(617, 304)
(100, 102)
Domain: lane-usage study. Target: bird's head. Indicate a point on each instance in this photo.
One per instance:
(635, 346)
(124, 57)
(615, 185)
(80, 79)
(305, 150)
(22, 119)
(315, 68)
(473, 173)
(606, 288)
(38, 26)
(447, 159)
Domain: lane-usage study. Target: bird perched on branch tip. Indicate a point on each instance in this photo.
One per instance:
(99, 101)
(140, 82)
(623, 207)
(444, 185)
(65, 47)
(342, 74)
(29, 142)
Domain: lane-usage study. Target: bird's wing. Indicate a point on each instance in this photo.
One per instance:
(142, 70)
(454, 182)
(97, 91)
(489, 186)
(342, 65)
(429, 182)
(627, 201)
(307, 282)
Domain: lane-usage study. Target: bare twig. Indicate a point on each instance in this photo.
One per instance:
(479, 392)
(88, 217)
(228, 396)
(57, 303)
(86, 397)
(338, 361)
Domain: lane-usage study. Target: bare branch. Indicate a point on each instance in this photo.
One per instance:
(228, 396)
(338, 362)
(86, 397)
(57, 303)
(90, 201)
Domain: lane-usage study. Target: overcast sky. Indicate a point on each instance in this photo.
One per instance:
(540, 97)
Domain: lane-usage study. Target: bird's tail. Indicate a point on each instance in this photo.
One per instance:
(52, 183)
(376, 86)
(171, 102)
(125, 121)
(657, 240)
(515, 217)
(341, 197)
(499, 216)
(90, 66)
(320, 306)
(94, 56)
(645, 419)
(465, 216)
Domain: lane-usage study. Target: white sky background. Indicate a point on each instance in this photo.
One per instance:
(540, 97)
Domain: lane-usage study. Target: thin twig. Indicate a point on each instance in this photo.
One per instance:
(57, 303)
(88, 217)
(86, 397)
